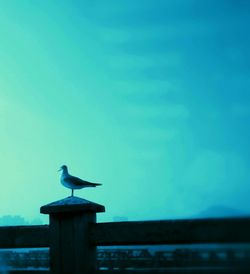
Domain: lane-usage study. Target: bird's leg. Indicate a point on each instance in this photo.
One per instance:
(72, 192)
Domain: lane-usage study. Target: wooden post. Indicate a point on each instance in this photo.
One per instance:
(70, 248)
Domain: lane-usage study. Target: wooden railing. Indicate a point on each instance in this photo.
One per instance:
(194, 231)
(73, 235)
(24, 236)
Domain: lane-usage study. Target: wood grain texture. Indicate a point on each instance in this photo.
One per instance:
(224, 230)
(70, 247)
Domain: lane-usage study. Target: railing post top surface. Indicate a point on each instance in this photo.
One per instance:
(71, 204)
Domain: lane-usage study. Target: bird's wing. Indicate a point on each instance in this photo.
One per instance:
(79, 182)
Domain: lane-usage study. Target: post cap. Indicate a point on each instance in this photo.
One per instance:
(71, 204)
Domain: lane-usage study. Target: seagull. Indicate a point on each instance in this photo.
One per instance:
(73, 182)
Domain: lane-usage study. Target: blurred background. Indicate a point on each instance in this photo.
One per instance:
(150, 98)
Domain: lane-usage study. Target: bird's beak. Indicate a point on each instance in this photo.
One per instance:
(59, 169)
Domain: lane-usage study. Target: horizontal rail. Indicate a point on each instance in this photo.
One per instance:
(191, 231)
(24, 236)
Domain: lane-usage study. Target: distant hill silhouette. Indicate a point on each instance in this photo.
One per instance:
(221, 211)
(120, 219)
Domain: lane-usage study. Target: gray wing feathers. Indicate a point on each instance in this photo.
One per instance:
(79, 182)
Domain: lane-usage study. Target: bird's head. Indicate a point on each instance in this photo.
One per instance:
(63, 168)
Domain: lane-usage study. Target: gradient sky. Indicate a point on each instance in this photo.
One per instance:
(151, 98)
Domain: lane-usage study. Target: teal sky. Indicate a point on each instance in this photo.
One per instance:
(150, 98)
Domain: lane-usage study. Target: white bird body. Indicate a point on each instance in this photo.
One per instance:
(73, 182)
